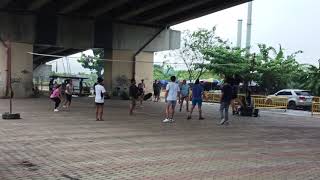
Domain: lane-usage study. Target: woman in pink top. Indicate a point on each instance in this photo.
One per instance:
(56, 97)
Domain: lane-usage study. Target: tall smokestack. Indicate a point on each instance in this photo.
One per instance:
(249, 25)
(239, 36)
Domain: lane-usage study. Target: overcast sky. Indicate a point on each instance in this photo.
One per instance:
(292, 23)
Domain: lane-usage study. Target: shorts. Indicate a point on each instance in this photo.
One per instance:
(172, 103)
(156, 93)
(184, 96)
(197, 101)
(99, 104)
(133, 101)
(69, 97)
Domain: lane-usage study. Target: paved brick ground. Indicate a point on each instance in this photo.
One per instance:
(71, 145)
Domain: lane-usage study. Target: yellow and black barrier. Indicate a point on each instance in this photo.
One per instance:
(315, 109)
(212, 97)
(270, 103)
(259, 101)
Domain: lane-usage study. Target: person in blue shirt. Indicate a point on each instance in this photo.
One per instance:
(184, 92)
(197, 95)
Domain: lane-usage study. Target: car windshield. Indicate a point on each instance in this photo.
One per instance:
(303, 93)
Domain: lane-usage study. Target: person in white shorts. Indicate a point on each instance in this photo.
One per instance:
(171, 97)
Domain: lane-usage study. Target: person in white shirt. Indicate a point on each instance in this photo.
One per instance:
(171, 97)
(99, 98)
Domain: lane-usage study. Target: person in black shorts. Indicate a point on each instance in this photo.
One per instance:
(156, 90)
(68, 92)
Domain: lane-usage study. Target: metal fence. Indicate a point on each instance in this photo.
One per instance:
(315, 109)
(259, 101)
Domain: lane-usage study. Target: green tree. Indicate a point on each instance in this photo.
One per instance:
(310, 78)
(192, 50)
(275, 70)
(93, 62)
(162, 72)
(226, 61)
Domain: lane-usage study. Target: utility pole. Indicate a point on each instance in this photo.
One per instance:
(249, 26)
(239, 36)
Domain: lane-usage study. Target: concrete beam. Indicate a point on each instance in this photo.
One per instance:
(73, 6)
(142, 9)
(107, 7)
(56, 52)
(176, 10)
(131, 37)
(41, 49)
(4, 3)
(205, 11)
(37, 4)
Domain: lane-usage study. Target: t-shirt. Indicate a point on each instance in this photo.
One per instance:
(69, 89)
(197, 91)
(185, 89)
(173, 89)
(227, 93)
(55, 93)
(100, 90)
(133, 91)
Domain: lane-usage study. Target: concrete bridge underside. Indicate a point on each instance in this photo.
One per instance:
(123, 28)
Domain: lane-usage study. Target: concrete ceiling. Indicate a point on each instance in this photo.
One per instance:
(153, 13)
(144, 12)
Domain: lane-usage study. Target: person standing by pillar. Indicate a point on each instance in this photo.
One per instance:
(142, 88)
(133, 94)
(156, 90)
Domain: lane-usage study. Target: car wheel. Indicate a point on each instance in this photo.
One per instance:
(292, 105)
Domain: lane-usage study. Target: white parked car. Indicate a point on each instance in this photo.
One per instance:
(296, 98)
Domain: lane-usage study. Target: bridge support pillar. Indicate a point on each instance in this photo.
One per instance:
(118, 71)
(21, 70)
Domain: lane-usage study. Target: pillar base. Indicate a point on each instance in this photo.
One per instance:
(8, 116)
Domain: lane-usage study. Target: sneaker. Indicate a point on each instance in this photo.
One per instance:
(56, 110)
(166, 120)
(201, 118)
(222, 121)
(189, 117)
(227, 123)
(171, 120)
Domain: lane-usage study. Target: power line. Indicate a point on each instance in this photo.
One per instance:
(130, 61)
